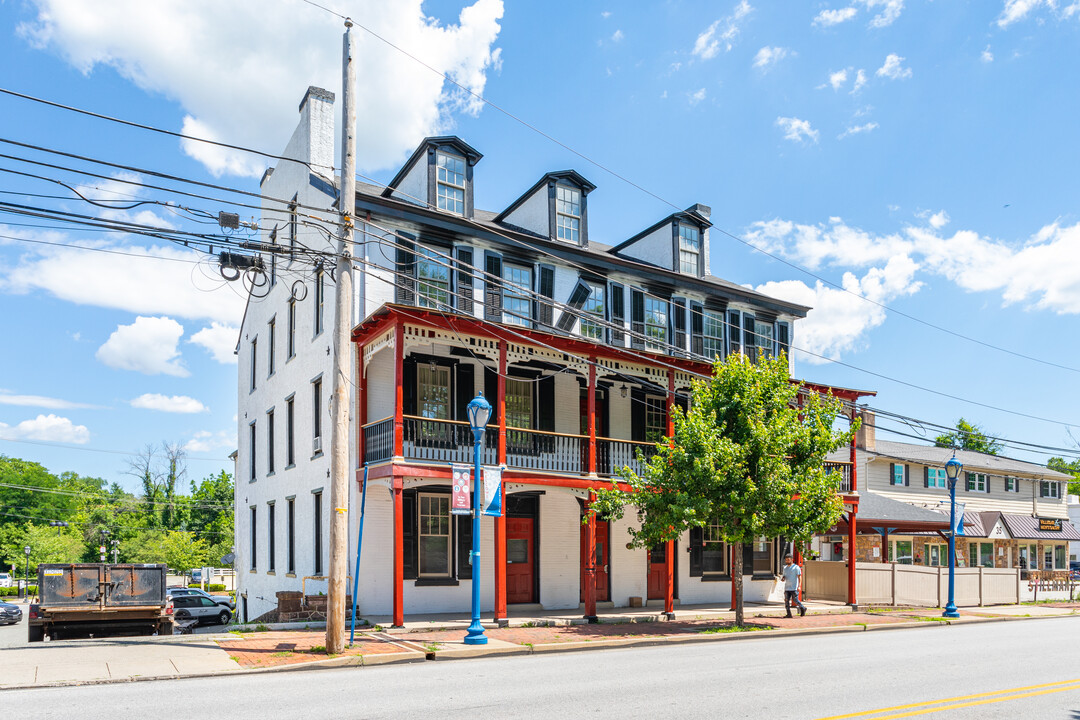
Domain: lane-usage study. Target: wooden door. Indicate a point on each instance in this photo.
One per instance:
(603, 561)
(658, 572)
(520, 564)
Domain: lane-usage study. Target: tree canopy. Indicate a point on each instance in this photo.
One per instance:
(748, 455)
(1071, 467)
(969, 437)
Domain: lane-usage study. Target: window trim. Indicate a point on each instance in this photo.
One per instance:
(317, 533)
(977, 482)
(254, 363)
(1049, 490)
(440, 199)
(253, 452)
(680, 248)
(572, 229)
(291, 345)
(271, 544)
(441, 497)
(936, 478)
(253, 521)
(510, 291)
(270, 445)
(271, 332)
(290, 535)
(316, 414)
(320, 301)
(290, 431)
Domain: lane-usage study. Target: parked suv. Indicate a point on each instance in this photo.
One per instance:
(5, 579)
(175, 592)
(200, 608)
(9, 613)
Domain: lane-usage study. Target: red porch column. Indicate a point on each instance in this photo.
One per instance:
(851, 596)
(669, 594)
(399, 555)
(399, 393)
(590, 561)
(499, 556)
(592, 416)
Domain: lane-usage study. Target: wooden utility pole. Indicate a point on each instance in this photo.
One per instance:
(339, 450)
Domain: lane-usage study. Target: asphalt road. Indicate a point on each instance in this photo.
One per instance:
(1027, 669)
(16, 635)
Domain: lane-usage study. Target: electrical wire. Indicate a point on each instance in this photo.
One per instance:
(141, 501)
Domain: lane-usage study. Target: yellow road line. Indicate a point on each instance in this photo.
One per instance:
(955, 699)
(979, 702)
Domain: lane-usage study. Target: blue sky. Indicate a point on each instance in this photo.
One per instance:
(920, 154)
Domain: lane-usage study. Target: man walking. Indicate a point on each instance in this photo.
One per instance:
(792, 575)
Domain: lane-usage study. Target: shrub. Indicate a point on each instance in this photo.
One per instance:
(215, 587)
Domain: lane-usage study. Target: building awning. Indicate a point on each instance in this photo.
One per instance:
(1028, 527)
(878, 513)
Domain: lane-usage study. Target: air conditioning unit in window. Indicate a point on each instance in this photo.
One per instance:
(318, 444)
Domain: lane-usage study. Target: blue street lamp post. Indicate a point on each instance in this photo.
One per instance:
(952, 472)
(479, 411)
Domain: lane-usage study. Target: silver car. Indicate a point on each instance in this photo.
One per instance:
(202, 609)
(176, 592)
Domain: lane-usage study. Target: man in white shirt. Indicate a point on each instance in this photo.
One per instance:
(792, 576)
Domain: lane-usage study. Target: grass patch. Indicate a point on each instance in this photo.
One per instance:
(432, 647)
(283, 653)
(317, 650)
(726, 629)
(925, 618)
(528, 645)
(862, 625)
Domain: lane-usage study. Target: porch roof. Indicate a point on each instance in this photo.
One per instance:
(877, 512)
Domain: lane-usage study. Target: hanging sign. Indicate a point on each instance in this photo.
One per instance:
(958, 529)
(460, 500)
(493, 490)
(1049, 525)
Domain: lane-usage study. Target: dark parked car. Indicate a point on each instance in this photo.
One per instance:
(202, 609)
(175, 592)
(9, 613)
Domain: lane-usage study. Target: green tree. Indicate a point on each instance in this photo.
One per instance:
(179, 550)
(746, 455)
(969, 437)
(47, 545)
(1071, 468)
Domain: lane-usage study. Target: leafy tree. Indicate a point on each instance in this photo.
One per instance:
(47, 545)
(1071, 468)
(25, 493)
(748, 455)
(179, 550)
(969, 437)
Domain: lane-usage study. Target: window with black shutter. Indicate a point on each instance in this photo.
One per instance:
(405, 279)
(637, 415)
(408, 533)
(749, 336)
(545, 312)
(734, 332)
(577, 300)
(492, 287)
(697, 543)
(637, 319)
(618, 315)
(678, 312)
(463, 527)
(491, 394)
(783, 338)
(545, 397)
(697, 329)
(465, 389)
(464, 281)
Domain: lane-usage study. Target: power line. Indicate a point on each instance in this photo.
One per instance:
(141, 501)
(110, 526)
(45, 443)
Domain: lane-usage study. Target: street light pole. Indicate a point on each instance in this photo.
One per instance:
(26, 572)
(479, 411)
(952, 472)
(104, 539)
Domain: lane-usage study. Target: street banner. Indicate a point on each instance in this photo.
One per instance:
(493, 490)
(959, 529)
(460, 499)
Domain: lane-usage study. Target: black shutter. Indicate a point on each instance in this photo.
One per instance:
(967, 481)
(907, 475)
(545, 400)
(697, 329)
(408, 391)
(678, 311)
(733, 332)
(749, 337)
(405, 290)
(748, 558)
(637, 414)
(408, 533)
(987, 484)
(637, 319)
(465, 382)
(464, 302)
(697, 545)
(464, 546)
(491, 393)
(576, 301)
(493, 287)
(545, 315)
(926, 477)
(618, 315)
(783, 339)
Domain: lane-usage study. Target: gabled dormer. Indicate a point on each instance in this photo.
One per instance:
(555, 208)
(439, 175)
(679, 242)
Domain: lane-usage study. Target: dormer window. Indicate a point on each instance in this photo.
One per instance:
(451, 183)
(689, 249)
(568, 213)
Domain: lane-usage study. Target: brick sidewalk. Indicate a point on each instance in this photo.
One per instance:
(272, 649)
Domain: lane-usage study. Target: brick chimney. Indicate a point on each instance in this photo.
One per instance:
(864, 436)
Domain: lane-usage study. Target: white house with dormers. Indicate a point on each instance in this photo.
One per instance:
(582, 342)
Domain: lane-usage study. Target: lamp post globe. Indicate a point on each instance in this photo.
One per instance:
(479, 412)
(952, 472)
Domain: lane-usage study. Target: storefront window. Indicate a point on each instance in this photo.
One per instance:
(1059, 557)
(901, 552)
(714, 554)
(1048, 557)
(434, 535)
(763, 560)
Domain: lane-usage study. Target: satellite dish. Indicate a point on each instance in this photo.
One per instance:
(228, 559)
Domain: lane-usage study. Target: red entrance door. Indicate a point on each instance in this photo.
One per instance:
(520, 571)
(603, 559)
(658, 572)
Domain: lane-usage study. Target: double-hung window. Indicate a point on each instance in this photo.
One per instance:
(519, 412)
(899, 472)
(451, 183)
(594, 305)
(656, 323)
(270, 441)
(763, 556)
(433, 400)
(253, 441)
(320, 299)
(568, 213)
(714, 552)
(316, 415)
(689, 249)
(1059, 557)
(271, 541)
(1049, 489)
(290, 418)
(713, 325)
(517, 295)
(1012, 484)
(655, 418)
(254, 360)
(764, 339)
(254, 538)
(317, 532)
(432, 279)
(292, 329)
(977, 482)
(271, 329)
(434, 541)
(936, 477)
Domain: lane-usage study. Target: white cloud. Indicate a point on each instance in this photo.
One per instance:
(219, 340)
(164, 403)
(1016, 10)
(986, 56)
(828, 18)
(155, 280)
(41, 401)
(939, 220)
(47, 428)
(698, 96)
(149, 346)
(722, 33)
(797, 130)
(204, 441)
(840, 319)
(893, 68)
(890, 10)
(860, 80)
(118, 193)
(263, 54)
(605, 14)
(857, 129)
(617, 36)
(837, 79)
(768, 56)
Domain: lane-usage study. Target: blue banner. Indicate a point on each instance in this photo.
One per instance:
(493, 490)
